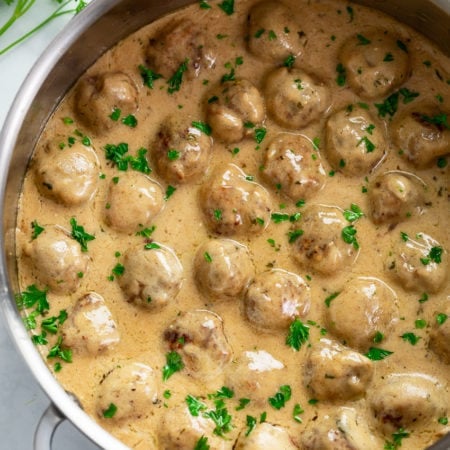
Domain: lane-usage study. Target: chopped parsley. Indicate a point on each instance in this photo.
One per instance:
(174, 363)
(370, 146)
(353, 214)
(176, 79)
(195, 406)
(362, 40)
(51, 324)
(115, 115)
(379, 336)
(251, 424)
(296, 413)
(349, 236)
(402, 46)
(152, 246)
(294, 235)
(202, 443)
(207, 257)
(412, 338)
(289, 61)
(217, 214)
(243, 402)
(110, 412)
(146, 232)
(148, 76)
(260, 134)
(221, 418)
(377, 354)
(441, 318)
(298, 334)
(173, 154)
(283, 395)
(118, 155)
(57, 351)
(330, 298)
(36, 229)
(170, 190)
(227, 6)
(388, 57)
(223, 392)
(31, 297)
(130, 121)
(341, 75)
(203, 127)
(397, 438)
(80, 235)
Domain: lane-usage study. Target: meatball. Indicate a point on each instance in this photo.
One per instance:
(223, 268)
(273, 32)
(293, 167)
(374, 308)
(90, 326)
(133, 201)
(232, 204)
(199, 338)
(375, 64)
(254, 374)
(177, 43)
(96, 98)
(180, 430)
(152, 275)
(355, 141)
(294, 98)
(407, 401)
(265, 436)
(440, 334)
(181, 152)
(321, 246)
(419, 264)
(393, 196)
(67, 175)
(234, 109)
(420, 135)
(275, 298)
(344, 430)
(131, 387)
(58, 260)
(334, 372)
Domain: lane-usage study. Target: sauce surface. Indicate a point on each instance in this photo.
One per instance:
(263, 258)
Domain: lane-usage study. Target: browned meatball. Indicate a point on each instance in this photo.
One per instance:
(408, 401)
(181, 151)
(90, 326)
(273, 32)
(393, 196)
(418, 263)
(234, 110)
(199, 338)
(152, 275)
(293, 167)
(223, 268)
(132, 387)
(133, 201)
(275, 299)
(355, 141)
(253, 374)
(294, 98)
(57, 259)
(96, 98)
(334, 372)
(374, 308)
(265, 436)
(321, 246)
(440, 332)
(67, 175)
(232, 204)
(375, 63)
(420, 135)
(179, 42)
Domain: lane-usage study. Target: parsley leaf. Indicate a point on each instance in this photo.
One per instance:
(283, 395)
(203, 127)
(377, 354)
(33, 296)
(37, 229)
(110, 412)
(349, 236)
(174, 363)
(227, 6)
(57, 351)
(330, 298)
(195, 406)
(353, 214)
(341, 75)
(202, 443)
(298, 334)
(221, 418)
(177, 78)
(251, 424)
(412, 338)
(80, 235)
(148, 76)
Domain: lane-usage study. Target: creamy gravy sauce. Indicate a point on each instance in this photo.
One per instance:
(326, 25)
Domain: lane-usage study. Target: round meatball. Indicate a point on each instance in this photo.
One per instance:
(265, 436)
(420, 135)
(254, 374)
(90, 326)
(180, 430)
(334, 372)
(374, 308)
(293, 167)
(133, 201)
(234, 110)
(132, 387)
(223, 268)
(346, 429)
(273, 32)
(419, 264)
(57, 259)
(321, 246)
(181, 152)
(152, 275)
(232, 204)
(275, 298)
(440, 334)
(375, 64)
(393, 196)
(67, 175)
(355, 141)
(294, 98)
(199, 338)
(96, 97)
(179, 42)
(407, 401)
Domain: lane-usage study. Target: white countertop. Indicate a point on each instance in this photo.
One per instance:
(22, 402)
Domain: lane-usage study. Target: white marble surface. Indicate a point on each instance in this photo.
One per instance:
(21, 400)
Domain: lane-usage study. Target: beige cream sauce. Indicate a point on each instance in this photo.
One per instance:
(180, 224)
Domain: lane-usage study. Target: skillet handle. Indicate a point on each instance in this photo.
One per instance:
(46, 428)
